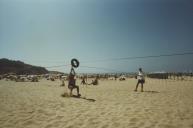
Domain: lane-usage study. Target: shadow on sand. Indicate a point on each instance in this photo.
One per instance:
(152, 91)
(78, 97)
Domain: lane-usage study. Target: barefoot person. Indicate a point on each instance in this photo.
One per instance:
(94, 82)
(83, 82)
(72, 82)
(141, 79)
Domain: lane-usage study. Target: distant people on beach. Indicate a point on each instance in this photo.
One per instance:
(84, 80)
(115, 77)
(63, 83)
(141, 79)
(122, 78)
(72, 82)
(94, 82)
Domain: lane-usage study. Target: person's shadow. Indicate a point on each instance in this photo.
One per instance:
(91, 100)
(78, 97)
(151, 91)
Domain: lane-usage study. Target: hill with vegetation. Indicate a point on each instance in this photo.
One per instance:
(20, 68)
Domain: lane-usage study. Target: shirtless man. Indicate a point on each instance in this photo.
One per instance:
(72, 82)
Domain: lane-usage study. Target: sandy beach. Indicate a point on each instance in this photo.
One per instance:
(111, 104)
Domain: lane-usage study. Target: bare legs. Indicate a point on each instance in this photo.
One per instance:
(138, 85)
(77, 88)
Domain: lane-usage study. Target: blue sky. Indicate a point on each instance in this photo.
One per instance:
(52, 32)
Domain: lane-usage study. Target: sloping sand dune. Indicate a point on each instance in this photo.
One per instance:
(111, 104)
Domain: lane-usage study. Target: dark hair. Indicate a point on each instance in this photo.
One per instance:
(140, 69)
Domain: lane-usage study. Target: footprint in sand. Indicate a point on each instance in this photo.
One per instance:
(133, 120)
(116, 124)
(104, 126)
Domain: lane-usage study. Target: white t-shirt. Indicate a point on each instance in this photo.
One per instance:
(140, 76)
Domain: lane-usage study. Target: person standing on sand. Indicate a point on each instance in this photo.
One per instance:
(141, 79)
(83, 82)
(72, 82)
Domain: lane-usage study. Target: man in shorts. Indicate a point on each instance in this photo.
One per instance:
(72, 82)
(141, 79)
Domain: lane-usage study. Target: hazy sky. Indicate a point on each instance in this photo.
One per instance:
(51, 32)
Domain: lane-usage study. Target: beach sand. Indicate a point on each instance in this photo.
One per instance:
(111, 104)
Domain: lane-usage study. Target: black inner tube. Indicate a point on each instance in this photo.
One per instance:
(75, 63)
